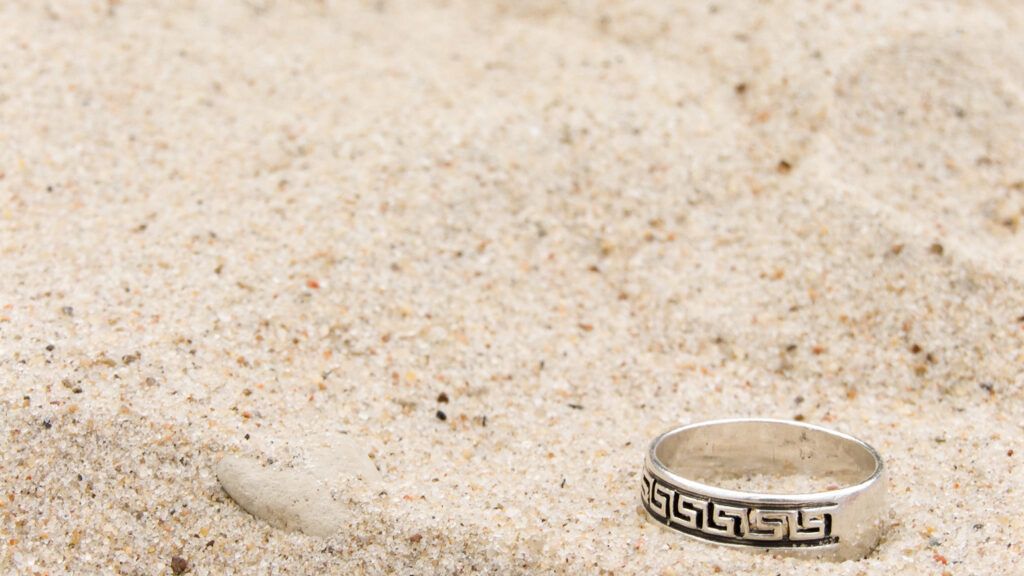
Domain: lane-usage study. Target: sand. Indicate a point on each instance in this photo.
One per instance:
(229, 227)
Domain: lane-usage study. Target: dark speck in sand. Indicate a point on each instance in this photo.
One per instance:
(179, 565)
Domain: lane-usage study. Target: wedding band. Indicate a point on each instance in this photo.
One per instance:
(839, 520)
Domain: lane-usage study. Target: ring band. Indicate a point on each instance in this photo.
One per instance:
(841, 522)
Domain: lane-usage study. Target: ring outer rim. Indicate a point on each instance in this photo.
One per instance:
(838, 494)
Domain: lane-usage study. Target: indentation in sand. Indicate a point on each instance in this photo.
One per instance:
(931, 126)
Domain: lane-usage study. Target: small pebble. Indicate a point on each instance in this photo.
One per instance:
(441, 415)
(308, 495)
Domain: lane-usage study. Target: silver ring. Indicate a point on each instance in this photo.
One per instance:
(838, 520)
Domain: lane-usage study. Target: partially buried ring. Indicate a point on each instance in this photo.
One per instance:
(842, 521)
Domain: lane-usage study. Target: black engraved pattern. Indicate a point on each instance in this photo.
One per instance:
(731, 522)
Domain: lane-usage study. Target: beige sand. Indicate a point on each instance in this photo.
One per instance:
(229, 226)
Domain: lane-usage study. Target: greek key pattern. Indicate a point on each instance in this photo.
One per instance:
(730, 522)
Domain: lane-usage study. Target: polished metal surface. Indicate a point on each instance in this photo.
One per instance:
(839, 520)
